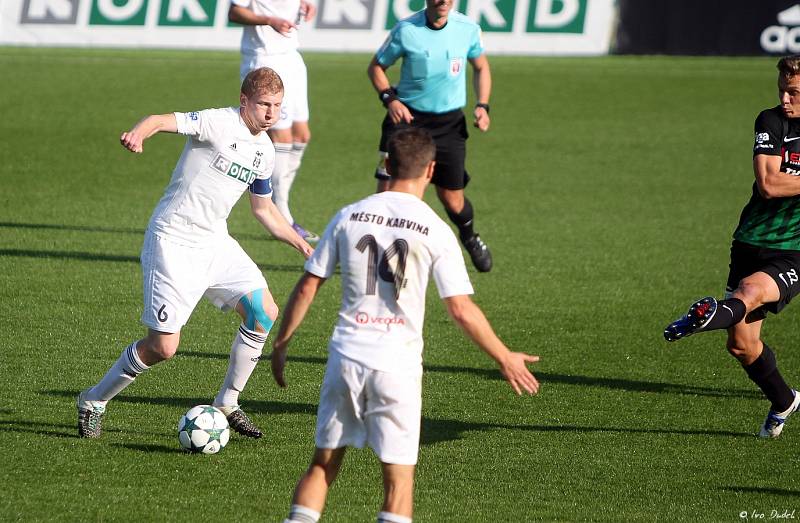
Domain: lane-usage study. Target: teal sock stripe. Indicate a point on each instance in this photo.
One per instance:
(254, 308)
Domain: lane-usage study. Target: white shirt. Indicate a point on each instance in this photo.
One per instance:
(219, 162)
(387, 245)
(263, 39)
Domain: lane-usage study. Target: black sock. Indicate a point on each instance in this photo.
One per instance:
(463, 220)
(729, 313)
(764, 373)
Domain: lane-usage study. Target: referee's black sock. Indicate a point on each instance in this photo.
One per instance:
(729, 313)
(463, 220)
(764, 373)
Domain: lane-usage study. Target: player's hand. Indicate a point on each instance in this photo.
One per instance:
(398, 112)
(278, 361)
(309, 10)
(281, 25)
(481, 119)
(302, 245)
(132, 141)
(515, 370)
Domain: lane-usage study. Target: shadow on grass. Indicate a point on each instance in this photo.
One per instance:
(251, 406)
(761, 490)
(93, 256)
(34, 427)
(608, 383)
(266, 356)
(114, 230)
(545, 378)
(439, 430)
(162, 449)
(69, 430)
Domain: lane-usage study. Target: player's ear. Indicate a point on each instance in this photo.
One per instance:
(429, 170)
(242, 99)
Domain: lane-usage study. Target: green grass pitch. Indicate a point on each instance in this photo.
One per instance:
(607, 189)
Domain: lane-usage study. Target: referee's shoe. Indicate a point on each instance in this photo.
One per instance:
(479, 252)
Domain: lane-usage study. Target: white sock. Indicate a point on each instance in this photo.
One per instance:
(295, 159)
(280, 183)
(119, 376)
(301, 514)
(245, 352)
(388, 517)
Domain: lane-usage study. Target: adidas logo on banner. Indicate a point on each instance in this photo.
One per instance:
(784, 37)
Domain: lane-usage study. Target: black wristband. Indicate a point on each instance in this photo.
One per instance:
(387, 96)
(485, 107)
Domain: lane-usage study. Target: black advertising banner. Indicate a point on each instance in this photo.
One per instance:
(716, 27)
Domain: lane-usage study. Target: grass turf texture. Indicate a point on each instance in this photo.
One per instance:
(607, 189)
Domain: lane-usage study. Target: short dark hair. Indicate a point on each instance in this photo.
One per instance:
(262, 80)
(789, 66)
(409, 153)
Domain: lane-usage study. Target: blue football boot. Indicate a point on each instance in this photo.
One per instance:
(700, 313)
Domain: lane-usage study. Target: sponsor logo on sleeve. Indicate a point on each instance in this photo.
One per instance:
(762, 141)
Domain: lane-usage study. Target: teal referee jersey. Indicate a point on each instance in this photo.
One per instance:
(433, 74)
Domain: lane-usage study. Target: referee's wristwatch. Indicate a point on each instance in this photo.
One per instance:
(484, 106)
(387, 96)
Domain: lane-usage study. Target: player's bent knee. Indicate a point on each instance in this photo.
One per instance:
(158, 349)
(752, 292)
(259, 311)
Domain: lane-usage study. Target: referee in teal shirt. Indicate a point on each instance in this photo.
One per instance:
(435, 45)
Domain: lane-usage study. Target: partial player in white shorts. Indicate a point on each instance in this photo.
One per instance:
(360, 405)
(291, 133)
(176, 276)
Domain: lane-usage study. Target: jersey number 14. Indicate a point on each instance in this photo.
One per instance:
(375, 268)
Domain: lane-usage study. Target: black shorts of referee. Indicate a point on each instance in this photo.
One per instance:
(449, 132)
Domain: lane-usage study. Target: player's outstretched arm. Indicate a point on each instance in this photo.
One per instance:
(300, 300)
(771, 181)
(482, 82)
(133, 140)
(513, 365)
(396, 109)
(270, 217)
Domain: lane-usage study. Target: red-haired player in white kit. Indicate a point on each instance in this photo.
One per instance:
(188, 254)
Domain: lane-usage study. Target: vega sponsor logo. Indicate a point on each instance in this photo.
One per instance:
(362, 318)
(786, 36)
(223, 165)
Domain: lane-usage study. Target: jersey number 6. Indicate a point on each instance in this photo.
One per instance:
(398, 248)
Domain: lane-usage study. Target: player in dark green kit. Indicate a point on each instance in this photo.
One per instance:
(765, 255)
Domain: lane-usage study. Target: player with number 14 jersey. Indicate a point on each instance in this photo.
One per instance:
(387, 244)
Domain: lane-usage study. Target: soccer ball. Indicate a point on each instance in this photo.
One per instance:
(203, 429)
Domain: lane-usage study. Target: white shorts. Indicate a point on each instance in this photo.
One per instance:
(176, 276)
(360, 405)
(292, 70)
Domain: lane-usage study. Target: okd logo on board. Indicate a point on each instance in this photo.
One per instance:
(501, 16)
